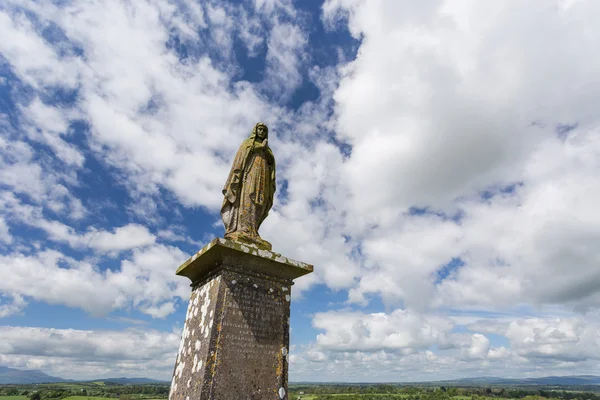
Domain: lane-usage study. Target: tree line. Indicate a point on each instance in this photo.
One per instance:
(118, 391)
(363, 392)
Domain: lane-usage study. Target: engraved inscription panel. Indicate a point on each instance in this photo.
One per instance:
(254, 336)
(255, 319)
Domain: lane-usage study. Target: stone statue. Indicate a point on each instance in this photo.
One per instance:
(249, 189)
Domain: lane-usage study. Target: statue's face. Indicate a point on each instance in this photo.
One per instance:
(261, 132)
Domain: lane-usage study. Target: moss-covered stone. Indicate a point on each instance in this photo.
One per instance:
(223, 251)
(235, 342)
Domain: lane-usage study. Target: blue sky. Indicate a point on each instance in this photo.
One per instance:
(437, 163)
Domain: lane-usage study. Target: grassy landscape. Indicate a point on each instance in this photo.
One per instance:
(87, 398)
(99, 390)
(409, 392)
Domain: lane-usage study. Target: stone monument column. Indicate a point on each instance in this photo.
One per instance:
(235, 341)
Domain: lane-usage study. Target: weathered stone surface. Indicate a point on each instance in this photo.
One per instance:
(249, 189)
(227, 252)
(235, 341)
(195, 346)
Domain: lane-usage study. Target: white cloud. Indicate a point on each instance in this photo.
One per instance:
(388, 366)
(18, 171)
(404, 345)
(142, 282)
(46, 68)
(123, 238)
(561, 339)
(26, 173)
(176, 234)
(396, 347)
(401, 330)
(79, 354)
(482, 136)
(308, 223)
(270, 7)
(480, 345)
(526, 247)
(128, 68)
(221, 27)
(250, 30)
(16, 304)
(47, 124)
(440, 115)
(442, 102)
(42, 278)
(5, 235)
(286, 47)
(498, 353)
(185, 143)
(404, 255)
(164, 124)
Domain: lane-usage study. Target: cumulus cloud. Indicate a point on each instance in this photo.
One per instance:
(125, 237)
(89, 354)
(28, 174)
(401, 156)
(463, 150)
(480, 345)
(440, 115)
(163, 124)
(407, 346)
(121, 238)
(5, 235)
(13, 306)
(47, 125)
(170, 146)
(142, 282)
(565, 339)
(451, 165)
(284, 55)
(404, 340)
(405, 257)
(385, 366)
(401, 330)
(560, 338)
(524, 246)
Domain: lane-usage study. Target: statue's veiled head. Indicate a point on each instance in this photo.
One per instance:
(260, 131)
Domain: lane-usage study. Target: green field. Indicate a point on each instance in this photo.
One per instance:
(99, 390)
(346, 395)
(342, 395)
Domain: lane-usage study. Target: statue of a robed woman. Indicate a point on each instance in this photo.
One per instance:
(249, 189)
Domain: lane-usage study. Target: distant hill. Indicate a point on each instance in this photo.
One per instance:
(131, 381)
(576, 380)
(18, 376)
(10, 375)
(27, 376)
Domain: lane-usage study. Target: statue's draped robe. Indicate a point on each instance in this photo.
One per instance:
(249, 190)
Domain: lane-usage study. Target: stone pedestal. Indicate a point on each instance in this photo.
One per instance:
(235, 341)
